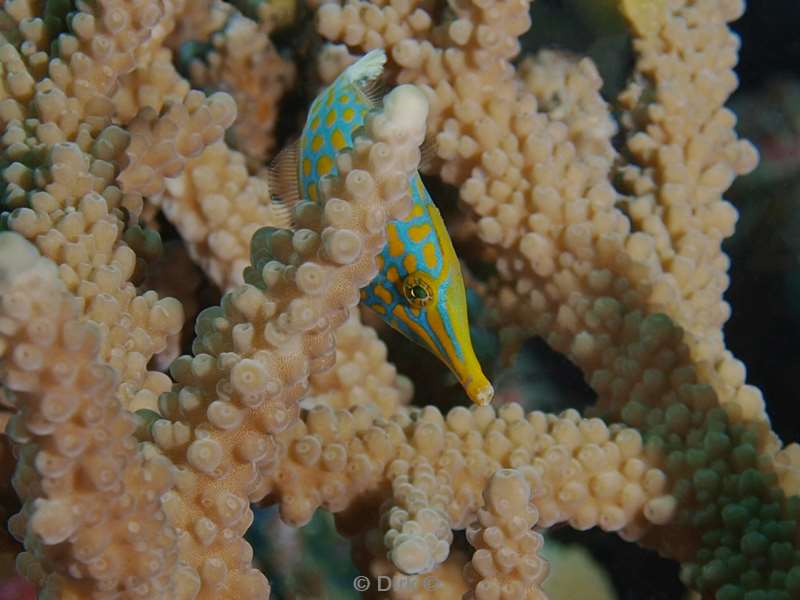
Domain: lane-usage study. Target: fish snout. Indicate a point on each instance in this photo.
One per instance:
(477, 387)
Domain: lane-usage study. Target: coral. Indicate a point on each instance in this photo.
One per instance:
(242, 61)
(531, 153)
(62, 156)
(138, 482)
(255, 352)
(217, 206)
(361, 375)
(506, 562)
(580, 471)
(91, 515)
(174, 274)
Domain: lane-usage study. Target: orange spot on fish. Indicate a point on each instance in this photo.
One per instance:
(324, 165)
(392, 274)
(316, 143)
(306, 167)
(417, 233)
(344, 99)
(349, 114)
(337, 139)
(410, 263)
(384, 294)
(315, 124)
(394, 243)
(330, 118)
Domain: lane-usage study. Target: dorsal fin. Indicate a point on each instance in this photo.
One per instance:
(284, 185)
(366, 68)
(365, 76)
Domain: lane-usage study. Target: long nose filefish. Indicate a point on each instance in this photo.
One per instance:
(419, 290)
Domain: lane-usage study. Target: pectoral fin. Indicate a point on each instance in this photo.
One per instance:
(284, 183)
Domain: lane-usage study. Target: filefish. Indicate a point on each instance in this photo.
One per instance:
(419, 290)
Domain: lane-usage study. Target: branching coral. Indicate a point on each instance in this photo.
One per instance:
(241, 60)
(506, 562)
(92, 516)
(614, 259)
(254, 353)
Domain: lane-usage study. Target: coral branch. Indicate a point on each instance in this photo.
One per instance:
(506, 563)
(243, 62)
(91, 516)
(61, 158)
(253, 355)
(217, 206)
(433, 470)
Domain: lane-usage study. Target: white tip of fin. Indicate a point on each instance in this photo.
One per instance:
(369, 66)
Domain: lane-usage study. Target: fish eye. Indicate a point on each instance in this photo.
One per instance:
(418, 289)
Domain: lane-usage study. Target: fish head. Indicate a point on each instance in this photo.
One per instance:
(419, 291)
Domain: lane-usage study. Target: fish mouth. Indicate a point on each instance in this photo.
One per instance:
(479, 390)
(484, 396)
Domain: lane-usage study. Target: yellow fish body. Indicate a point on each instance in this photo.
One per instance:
(419, 290)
